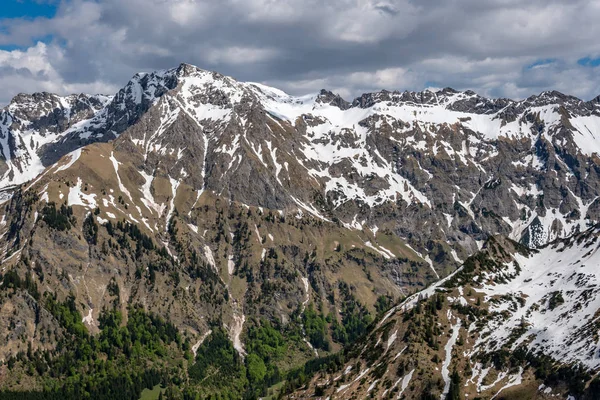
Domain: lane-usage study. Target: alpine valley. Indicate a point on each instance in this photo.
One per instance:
(196, 237)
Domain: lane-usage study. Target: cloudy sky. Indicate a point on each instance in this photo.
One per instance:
(511, 48)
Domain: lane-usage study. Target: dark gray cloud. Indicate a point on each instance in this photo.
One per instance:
(496, 47)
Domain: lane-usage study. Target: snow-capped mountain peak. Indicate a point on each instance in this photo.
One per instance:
(484, 166)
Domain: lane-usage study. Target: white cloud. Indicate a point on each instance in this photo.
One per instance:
(274, 11)
(239, 55)
(388, 78)
(32, 71)
(366, 21)
(185, 12)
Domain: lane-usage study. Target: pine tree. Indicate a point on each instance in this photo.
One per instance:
(454, 391)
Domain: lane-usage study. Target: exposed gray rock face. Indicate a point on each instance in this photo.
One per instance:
(31, 121)
(327, 97)
(439, 169)
(125, 109)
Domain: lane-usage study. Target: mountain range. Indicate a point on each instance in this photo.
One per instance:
(229, 208)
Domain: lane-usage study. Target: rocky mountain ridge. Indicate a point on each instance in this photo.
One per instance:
(219, 204)
(510, 323)
(480, 164)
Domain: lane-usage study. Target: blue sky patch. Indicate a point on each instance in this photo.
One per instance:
(541, 63)
(589, 62)
(28, 8)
